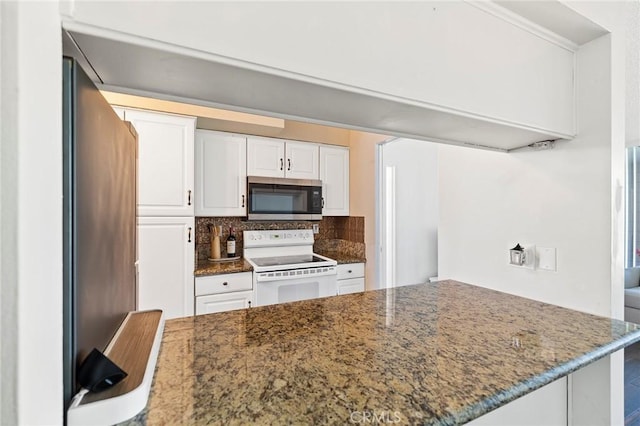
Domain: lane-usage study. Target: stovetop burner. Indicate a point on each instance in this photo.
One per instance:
(287, 260)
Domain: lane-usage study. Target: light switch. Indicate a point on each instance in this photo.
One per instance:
(547, 258)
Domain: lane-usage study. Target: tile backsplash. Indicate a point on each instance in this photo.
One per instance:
(336, 233)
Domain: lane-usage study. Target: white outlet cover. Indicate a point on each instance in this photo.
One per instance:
(547, 259)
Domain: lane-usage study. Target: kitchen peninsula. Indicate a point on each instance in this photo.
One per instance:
(442, 353)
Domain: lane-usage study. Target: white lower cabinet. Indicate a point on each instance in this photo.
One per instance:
(350, 278)
(354, 285)
(334, 174)
(226, 292)
(166, 259)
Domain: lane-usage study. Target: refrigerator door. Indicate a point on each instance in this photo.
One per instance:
(100, 220)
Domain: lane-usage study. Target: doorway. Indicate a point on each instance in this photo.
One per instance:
(407, 212)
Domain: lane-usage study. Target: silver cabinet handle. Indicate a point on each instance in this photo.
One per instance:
(189, 197)
(281, 164)
(189, 235)
(243, 200)
(289, 164)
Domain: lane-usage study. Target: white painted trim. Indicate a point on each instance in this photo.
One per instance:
(118, 409)
(390, 225)
(212, 57)
(524, 24)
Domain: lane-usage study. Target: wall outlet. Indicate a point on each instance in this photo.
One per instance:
(316, 228)
(530, 257)
(547, 258)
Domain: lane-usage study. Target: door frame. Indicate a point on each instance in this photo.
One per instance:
(385, 220)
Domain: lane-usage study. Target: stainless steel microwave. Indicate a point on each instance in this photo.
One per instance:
(283, 199)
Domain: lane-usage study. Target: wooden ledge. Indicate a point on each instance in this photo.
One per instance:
(134, 348)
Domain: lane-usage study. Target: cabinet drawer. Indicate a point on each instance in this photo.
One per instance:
(215, 303)
(227, 283)
(350, 270)
(354, 285)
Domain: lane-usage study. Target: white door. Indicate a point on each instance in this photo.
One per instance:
(215, 303)
(408, 226)
(221, 174)
(166, 250)
(301, 160)
(334, 173)
(265, 157)
(165, 163)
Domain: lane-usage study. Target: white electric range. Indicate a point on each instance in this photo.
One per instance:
(285, 268)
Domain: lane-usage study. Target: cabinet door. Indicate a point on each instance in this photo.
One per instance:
(265, 157)
(221, 174)
(334, 173)
(354, 285)
(166, 250)
(301, 160)
(223, 302)
(165, 163)
(119, 111)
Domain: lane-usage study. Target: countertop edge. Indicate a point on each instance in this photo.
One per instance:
(536, 382)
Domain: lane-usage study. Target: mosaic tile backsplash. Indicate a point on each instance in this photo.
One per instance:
(344, 234)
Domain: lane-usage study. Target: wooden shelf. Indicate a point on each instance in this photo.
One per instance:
(134, 348)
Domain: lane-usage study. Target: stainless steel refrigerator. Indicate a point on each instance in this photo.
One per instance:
(99, 221)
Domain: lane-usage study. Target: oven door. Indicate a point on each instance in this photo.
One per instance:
(284, 199)
(294, 289)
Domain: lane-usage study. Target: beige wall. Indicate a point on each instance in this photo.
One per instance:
(237, 122)
(292, 130)
(362, 190)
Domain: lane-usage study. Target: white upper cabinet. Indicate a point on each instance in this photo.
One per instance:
(277, 158)
(221, 174)
(265, 157)
(119, 112)
(165, 163)
(334, 173)
(302, 160)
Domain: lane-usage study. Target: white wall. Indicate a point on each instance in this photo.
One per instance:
(569, 198)
(453, 54)
(31, 213)
(416, 203)
(558, 198)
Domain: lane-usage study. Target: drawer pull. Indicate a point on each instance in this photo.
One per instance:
(249, 302)
(225, 283)
(350, 271)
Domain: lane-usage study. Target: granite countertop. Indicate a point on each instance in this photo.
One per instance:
(205, 267)
(441, 353)
(342, 257)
